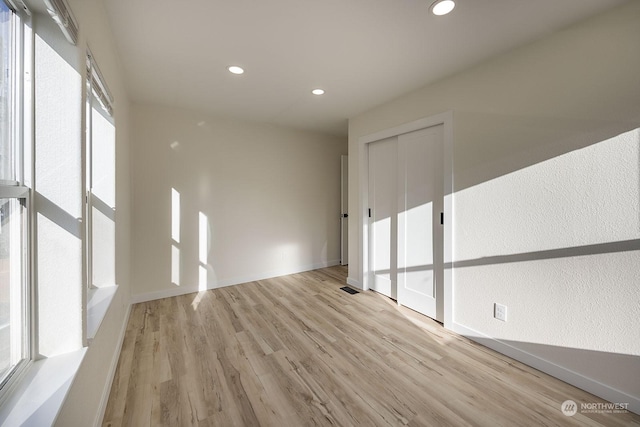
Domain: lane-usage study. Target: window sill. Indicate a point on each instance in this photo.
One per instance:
(39, 396)
(98, 302)
(40, 392)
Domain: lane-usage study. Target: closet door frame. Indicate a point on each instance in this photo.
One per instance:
(446, 119)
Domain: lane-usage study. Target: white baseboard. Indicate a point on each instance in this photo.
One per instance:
(112, 371)
(567, 375)
(173, 292)
(353, 282)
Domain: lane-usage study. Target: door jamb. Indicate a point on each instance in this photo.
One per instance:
(445, 119)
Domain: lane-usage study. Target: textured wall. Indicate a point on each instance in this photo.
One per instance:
(546, 207)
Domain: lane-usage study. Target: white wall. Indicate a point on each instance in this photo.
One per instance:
(256, 201)
(90, 388)
(546, 207)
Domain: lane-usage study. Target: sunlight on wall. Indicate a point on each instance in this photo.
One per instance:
(202, 278)
(584, 197)
(203, 240)
(175, 236)
(175, 265)
(284, 255)
(543, 237)
(203, 250)
(175, 215)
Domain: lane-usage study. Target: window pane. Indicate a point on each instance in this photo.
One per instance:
(6, 100)
(11, 285)
(101, 138)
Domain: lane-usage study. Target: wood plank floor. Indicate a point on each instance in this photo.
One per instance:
(298, 351)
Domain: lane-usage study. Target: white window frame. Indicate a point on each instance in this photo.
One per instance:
(19, 188)
(97, 96)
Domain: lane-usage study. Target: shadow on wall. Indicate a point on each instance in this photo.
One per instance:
(576, 251)
(558, 241)
(590, 364)
(582, 198)
(58, 216)
(600, 366)
(518, 142)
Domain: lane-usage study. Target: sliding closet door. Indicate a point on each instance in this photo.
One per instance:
(420, 198)
(383, 173)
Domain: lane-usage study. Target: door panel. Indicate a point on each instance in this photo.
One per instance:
(383, 220)
(420, 195)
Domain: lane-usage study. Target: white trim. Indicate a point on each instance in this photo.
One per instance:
(102, 408)
(62, 15)
(344, 255)
(174, 292)
(98, 302)
(567, 375)
(15, 192)
(363, 217)
(423, 123)
(353, 282)
(42, 391)
(445, 119)
(19, 6)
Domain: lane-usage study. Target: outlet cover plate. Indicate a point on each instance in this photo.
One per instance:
(500, 312)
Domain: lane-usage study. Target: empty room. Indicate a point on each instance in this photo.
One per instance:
(337, 213)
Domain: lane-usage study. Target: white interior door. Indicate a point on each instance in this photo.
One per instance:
(344, 211)
(420, 191)
(383, 173)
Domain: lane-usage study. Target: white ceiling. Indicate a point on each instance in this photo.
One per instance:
(362, 52)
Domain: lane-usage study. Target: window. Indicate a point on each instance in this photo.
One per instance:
(14, 289)
(7, 166)
(100, 179)
(100, 197)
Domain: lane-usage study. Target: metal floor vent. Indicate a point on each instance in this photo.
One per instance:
(349, 290)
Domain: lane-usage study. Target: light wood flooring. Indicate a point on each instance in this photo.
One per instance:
(298, 351)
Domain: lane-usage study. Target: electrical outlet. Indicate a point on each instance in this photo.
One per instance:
(500, 312)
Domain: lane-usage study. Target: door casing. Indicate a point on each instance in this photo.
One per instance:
(446, 119)
(344, 210)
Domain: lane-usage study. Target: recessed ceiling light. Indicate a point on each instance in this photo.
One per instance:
(235, 69)
(442, 7)
(317, 92)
